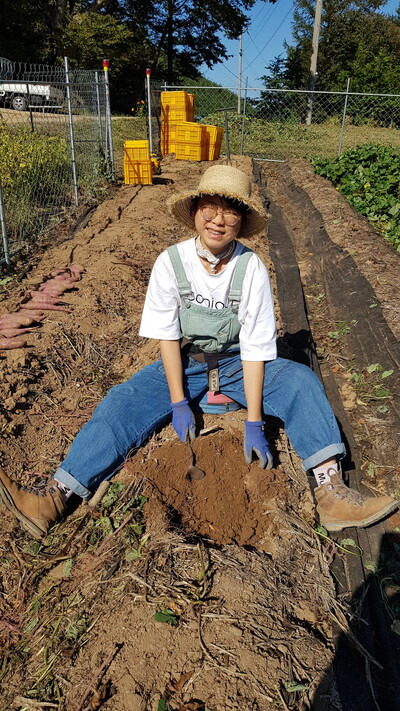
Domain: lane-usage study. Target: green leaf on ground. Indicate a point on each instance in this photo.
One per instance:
(292, 686)
(167, 616)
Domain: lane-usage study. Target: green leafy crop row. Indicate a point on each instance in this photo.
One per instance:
(28, 160)
(369, 176)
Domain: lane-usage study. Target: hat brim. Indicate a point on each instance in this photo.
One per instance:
(256, 217)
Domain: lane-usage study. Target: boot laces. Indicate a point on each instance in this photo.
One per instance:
(343, 492)
(39, 487)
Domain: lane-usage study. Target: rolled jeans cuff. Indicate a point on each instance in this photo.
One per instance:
(66, 478)
(333, 450)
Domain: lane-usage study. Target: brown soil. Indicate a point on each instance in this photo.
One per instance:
(233, 556)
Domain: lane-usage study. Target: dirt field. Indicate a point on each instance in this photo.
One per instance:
(170, 595)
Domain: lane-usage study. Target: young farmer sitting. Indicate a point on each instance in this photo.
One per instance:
(209, 303)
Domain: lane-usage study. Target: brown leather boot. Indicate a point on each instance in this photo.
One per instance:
(340, 507)
(35, 508)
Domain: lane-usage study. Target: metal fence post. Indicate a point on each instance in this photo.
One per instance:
(108, 118)
(3, 229)
(243, 119)
(344, 118)
(30, 107)
(96, 76)
(228, 150)
(148, 72)
(71, 131)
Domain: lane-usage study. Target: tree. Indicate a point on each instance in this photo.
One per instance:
(354, 34)
(187, 30)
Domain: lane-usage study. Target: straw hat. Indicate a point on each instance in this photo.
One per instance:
(228, 182)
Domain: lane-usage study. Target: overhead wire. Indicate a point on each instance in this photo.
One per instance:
(267, 18)
(269, 40)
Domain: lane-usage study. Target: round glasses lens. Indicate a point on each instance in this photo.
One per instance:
(231, 218)
(209, 213)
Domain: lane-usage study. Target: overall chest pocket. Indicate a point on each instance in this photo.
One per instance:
(210, 329)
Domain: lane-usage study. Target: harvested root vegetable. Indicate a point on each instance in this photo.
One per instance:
(8, 344)
(12, 332)
(32, 313)
(55, 285)
(15, 320)
(42, 299)
(51, 291)
(68, 278)
(76, 269)
(45, 306)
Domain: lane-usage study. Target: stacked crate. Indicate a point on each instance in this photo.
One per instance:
(176, 107)
(214, 140)
(138, 167)
(179, 133)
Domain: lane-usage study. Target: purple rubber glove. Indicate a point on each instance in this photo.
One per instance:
(183, 420)
(254, 441)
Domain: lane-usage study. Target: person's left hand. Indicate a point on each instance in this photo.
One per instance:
(254, 441)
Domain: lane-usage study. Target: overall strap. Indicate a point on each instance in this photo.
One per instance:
(184, 287)
(235, 292)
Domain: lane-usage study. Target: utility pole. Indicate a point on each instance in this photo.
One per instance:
(314, 57)
(240, 71)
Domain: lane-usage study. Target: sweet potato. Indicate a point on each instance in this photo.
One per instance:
(12, 332)
(41, 297)
(15, 320)
(68, 278)
(35, 314)
(46, 306)
(8, 344)
(55, 285)
(76, 269)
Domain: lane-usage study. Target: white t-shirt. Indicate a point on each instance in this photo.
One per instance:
(160, 318)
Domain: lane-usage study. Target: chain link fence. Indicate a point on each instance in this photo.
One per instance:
(278, 124)
(54, 146)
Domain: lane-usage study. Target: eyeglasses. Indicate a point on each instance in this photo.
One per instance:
(209, 213)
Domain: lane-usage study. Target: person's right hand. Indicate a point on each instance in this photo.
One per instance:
(183, 420)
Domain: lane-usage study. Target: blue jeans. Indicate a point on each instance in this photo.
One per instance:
(132, 411)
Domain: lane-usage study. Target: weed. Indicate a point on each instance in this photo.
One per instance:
(167, 616)
(343, 328)
(369, 387)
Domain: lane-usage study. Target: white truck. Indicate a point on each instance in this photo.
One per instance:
(20, 94)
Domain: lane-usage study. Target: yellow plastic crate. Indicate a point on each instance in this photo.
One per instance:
(136, 150)
(214, 140)
(138, 172)
(168, 138)
(191, 141)
(175, 98)
(189, 151)
(173, 114)
(189, 132)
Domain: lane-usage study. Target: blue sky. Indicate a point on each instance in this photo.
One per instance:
(270, 26)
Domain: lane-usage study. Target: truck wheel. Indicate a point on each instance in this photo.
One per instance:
(19, 102)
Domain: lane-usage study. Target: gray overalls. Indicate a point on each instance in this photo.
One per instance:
(212, 333)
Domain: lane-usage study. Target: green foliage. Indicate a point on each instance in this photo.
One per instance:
(369, 176)
(27, 159)
(35, 173)
(167, 616)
